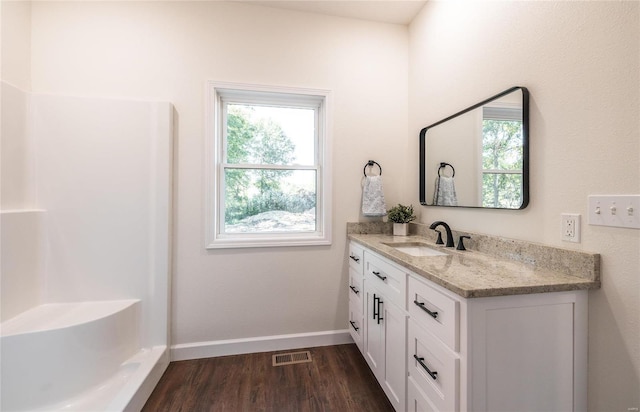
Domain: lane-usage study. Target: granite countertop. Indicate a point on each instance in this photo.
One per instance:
(473, 274)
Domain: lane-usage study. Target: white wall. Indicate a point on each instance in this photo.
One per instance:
(581, 63)
(166, 51)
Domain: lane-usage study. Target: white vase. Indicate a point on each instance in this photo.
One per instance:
(400, 229)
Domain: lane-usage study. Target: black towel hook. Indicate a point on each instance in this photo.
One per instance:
(443, 165)
(371, 163)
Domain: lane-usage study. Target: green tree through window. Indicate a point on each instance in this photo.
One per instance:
(502, 159)
(257, 190)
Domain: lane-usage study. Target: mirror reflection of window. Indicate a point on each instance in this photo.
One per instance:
(502, 156)
(488, 144)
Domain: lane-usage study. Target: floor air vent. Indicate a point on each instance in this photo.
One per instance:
(281, 359)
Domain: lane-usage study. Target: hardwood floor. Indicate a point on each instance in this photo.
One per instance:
(338, 379)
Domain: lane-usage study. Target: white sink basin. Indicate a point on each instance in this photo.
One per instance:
(416, 249)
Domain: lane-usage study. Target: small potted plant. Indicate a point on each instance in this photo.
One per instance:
(401, 215)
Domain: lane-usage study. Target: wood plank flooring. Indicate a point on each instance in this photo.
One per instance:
(338, 379)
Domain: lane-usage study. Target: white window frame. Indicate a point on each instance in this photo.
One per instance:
(216, 94)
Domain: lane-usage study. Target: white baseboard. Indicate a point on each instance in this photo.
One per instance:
(213, 349)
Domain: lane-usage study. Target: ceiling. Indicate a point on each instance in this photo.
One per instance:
(386, 11)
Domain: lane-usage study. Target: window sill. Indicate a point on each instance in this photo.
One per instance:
(280, 241)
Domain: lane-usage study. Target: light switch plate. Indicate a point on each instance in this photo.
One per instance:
(615, 210)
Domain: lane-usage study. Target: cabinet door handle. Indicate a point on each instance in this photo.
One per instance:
(356, 291)
(355, 258)
(421, 306)
(433, 374)
(383, 278)
(353, 325)
(379, 303)
(375, 298)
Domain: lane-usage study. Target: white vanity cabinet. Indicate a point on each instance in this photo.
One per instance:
(505, 353)
(386, 326)
(378, 319)
(356, 294)
(433, 350)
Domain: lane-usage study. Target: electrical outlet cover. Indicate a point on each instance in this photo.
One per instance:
(571, 227)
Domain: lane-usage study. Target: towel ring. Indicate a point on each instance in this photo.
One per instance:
(443, 165)
(371, 163)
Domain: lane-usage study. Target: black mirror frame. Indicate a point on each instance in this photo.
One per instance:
(525, 148)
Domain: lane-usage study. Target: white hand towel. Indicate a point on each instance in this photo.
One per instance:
(445, 193)
(373, 197)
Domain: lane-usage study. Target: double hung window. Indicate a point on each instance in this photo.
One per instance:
(268, 166)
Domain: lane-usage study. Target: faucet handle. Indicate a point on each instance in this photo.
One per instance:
(439, 240)
(461, 242)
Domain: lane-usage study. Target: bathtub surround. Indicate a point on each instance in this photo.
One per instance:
(15, 64)
(54, 352)
(18, 163)
(21, 261)
(85, 278)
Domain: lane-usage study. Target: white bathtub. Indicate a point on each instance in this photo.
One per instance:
(84, 356)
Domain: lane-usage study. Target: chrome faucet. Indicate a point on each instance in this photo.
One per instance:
(446, 228)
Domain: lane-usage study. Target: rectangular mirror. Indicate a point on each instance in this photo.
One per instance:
(479, 157)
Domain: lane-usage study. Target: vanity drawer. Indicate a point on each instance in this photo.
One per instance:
(356, 289)
(417, 401)
(434, 368)
(356, 324)
(356, 257)
(435, 312)
(389, 279)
